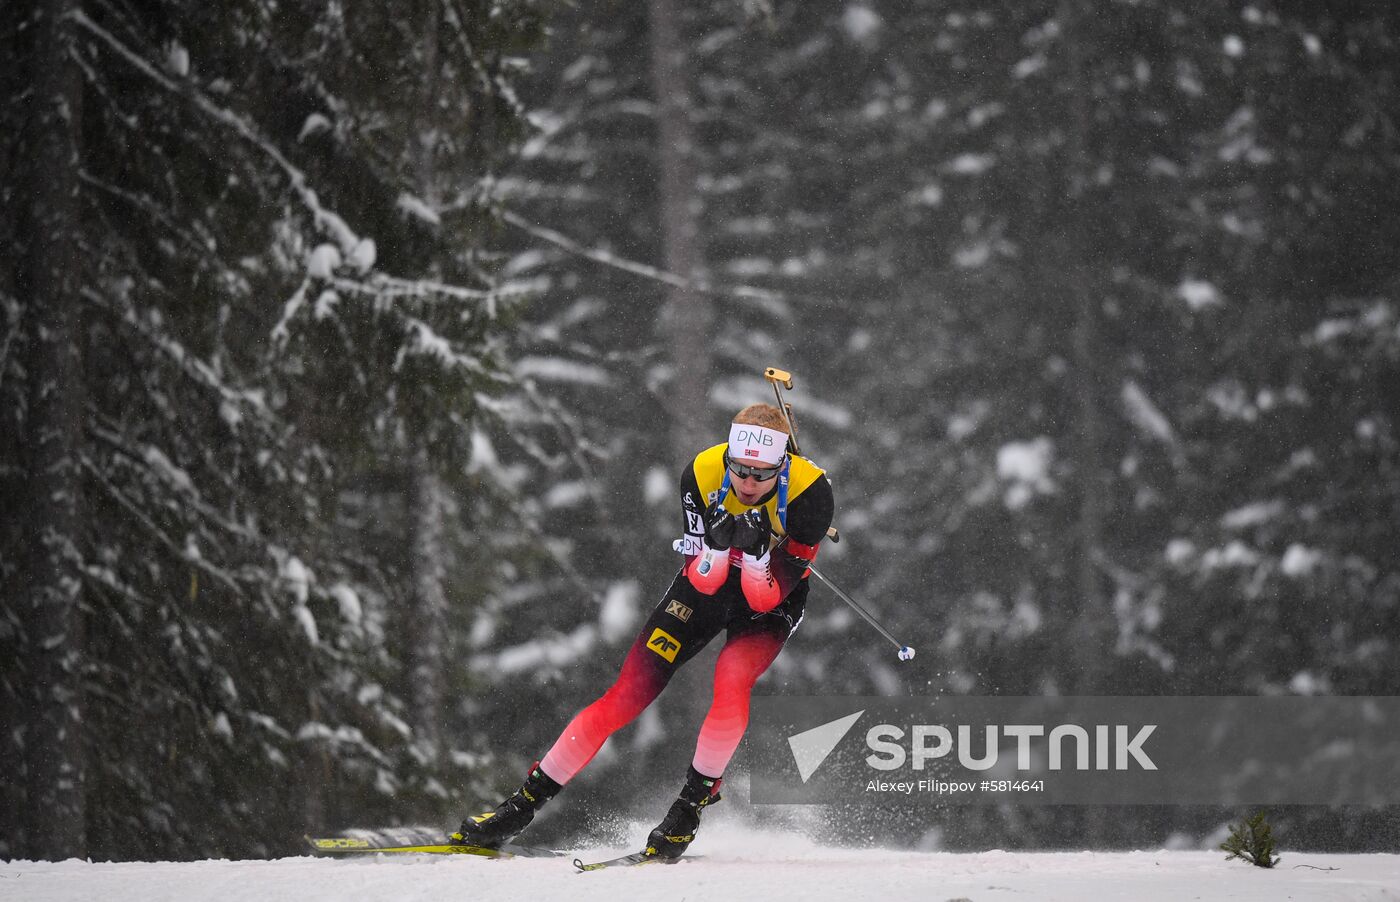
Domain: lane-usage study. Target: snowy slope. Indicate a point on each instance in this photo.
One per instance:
(736, 865)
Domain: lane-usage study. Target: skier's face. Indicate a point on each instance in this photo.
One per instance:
(751, 483)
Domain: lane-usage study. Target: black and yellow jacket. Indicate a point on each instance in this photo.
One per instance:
(768, 579)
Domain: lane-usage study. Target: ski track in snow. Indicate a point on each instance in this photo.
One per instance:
(743, 864)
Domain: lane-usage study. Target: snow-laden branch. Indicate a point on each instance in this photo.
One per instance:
(191, 365)
(572, 438)
(387, 287)
(280, 332)
(327, 220)
(424, 341)
(156, 463)
(606, 258)
(324, 218)
(490, 84)
(159, 534)
(656, 274)
(146, 204)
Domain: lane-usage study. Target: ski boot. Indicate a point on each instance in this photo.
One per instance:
(678, 828)
(491, 829)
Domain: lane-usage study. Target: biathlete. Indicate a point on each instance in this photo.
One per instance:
(754, 514)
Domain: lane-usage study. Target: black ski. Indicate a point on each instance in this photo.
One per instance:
(420, 842)
(627, 861)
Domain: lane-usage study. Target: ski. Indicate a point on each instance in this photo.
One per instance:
(626, 861)
(420, 842)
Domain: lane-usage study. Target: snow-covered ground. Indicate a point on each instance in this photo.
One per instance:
(732, 865)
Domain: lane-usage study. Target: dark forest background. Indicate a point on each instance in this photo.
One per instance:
(349, 353)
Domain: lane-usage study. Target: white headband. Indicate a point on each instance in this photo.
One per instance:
(756, 444)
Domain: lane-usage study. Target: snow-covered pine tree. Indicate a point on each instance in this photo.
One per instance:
(273, 306)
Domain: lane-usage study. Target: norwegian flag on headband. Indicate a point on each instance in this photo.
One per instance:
(748, 442)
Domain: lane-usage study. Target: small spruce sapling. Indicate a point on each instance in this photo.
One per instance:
(1253, 841)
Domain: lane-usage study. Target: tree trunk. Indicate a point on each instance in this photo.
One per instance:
(687, 319)
(12, 801)
(1092, 625)
(1092, 617)
(428, 607)
(55, 812)
(427, 618)
(316, 776)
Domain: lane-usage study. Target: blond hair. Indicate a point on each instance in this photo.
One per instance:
(763, 415)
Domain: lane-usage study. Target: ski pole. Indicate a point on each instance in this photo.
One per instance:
(782, 379)
(906, 653)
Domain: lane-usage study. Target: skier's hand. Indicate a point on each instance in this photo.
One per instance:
(719, 527)
(751, 532)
